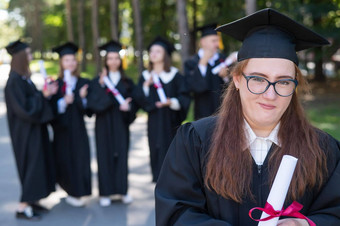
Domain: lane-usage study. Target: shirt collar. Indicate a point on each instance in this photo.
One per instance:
(251, 136)
(114, 77)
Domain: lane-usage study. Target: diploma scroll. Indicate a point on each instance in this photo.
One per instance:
(43, 73)
(159, 87)
(278, 192)
(42, 69)
(230, 59)
(67, 79)
(115, 92)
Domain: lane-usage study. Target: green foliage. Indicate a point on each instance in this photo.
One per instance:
(327, 118)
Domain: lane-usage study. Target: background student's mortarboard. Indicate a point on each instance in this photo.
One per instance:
(168, 46)
(15, 47)
(111, 46)
(67, 48)
(208, 29)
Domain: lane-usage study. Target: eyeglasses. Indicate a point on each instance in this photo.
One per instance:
(259, 85)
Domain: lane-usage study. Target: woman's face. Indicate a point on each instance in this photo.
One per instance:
(156, 54)
(113, 61)
(69, 62)
(264, 111)
(29, 54)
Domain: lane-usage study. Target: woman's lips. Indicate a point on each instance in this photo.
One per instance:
(267, 106)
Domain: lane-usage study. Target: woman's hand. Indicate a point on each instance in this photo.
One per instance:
(292, 222)
(69, 99)
(148, 82)
(126, 105)
(83, 91)
(102, 75)
(161, 105)
(50, 89)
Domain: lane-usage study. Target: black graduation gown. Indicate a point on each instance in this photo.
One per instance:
(71, 145)
(164, 122)
(112, 135)
(182, 198)
(28, 113)
(206, 90)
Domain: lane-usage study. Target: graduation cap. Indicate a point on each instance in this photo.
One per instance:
(168, 46)
(270, 34)
(15, 47)
(208, 29)
(67, 48)
(111, 46)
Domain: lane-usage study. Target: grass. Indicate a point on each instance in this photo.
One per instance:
(326, 118)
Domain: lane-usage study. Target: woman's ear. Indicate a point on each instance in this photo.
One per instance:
(237, 80)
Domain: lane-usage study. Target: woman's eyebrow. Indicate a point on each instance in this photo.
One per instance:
(266, 76)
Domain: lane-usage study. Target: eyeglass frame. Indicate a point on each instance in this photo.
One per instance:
(248, 77)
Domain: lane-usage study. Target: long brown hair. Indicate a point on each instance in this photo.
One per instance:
(229, 167)
(76, 72)
(166, 60)
(20, 63)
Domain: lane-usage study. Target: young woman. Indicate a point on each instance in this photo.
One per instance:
(113, 117)
(71, 145)
(164, 117)
(219, 168)
(28, 113)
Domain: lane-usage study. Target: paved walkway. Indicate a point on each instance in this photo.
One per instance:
(140, 212)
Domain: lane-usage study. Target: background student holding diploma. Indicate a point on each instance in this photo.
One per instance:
(28, 112)
(164, 117)
(112, 125)
(70, 141)
(219, 168)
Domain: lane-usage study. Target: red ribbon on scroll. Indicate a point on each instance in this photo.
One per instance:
(291, 211)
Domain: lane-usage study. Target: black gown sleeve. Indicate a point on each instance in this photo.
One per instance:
(194, 79)
(179, 194)
(98, 100)
(33, 107)
(182, 96)
(78, 100)
(145, 102)
(325, 210)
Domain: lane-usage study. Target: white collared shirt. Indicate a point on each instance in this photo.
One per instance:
(203, 68)
(115, 77)
(260, 146)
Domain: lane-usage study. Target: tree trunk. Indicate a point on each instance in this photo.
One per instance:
(81, 34)
(183, 30)
(318, 55)
(193, 33)
(318, 71)
(138, 33)
(95, 34)
(70, 36)
(114, 19)
(250, 6)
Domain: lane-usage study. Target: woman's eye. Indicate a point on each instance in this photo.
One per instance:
(258, 79)
(283, 83)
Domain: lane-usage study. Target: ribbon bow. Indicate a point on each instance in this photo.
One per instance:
(291, 211)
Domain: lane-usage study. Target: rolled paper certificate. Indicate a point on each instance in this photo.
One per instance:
(42, 69)
(159, 87)
(115, 91)
(67, 79)
(278, 192)
(230, 59)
